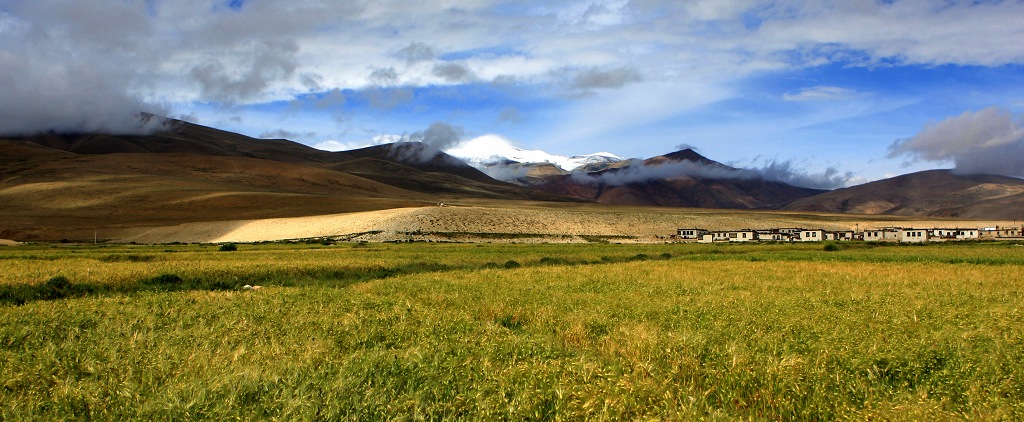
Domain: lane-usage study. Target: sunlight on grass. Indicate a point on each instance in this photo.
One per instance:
(706, 332)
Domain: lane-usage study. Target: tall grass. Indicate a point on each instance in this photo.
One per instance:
(576, 332)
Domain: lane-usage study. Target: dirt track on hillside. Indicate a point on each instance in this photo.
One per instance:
(504, 224)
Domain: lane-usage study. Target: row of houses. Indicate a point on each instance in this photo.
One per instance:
(888, 234)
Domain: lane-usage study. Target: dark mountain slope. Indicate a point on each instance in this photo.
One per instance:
(187, 138)
(935, 193)
(679, 179)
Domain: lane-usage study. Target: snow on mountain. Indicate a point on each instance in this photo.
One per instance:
(489, 149)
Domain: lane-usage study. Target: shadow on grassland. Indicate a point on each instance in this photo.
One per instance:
(60, 287)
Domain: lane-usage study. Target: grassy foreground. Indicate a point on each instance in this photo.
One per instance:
(513, 332)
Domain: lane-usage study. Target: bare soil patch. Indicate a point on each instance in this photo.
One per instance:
(505, 222)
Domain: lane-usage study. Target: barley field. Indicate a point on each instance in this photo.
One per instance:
(512, 332)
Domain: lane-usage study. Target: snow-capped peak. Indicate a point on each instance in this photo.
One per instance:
(488, 149)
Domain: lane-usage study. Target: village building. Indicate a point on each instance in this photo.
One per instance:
(944, 234)
(811, 235)
(742, 236)
(773, 236)
(872, 235)
(1003, 232)
(845, 235)
(891, 234)
(690, 234)
(888, 234)
(913, 235)
(792, 231)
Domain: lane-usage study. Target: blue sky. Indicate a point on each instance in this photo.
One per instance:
(854, 87)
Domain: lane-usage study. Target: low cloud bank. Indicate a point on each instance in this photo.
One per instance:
(988, 141)
(417, 147)
(638, 172)
(505, 172)
(422, 146)
(39, 98)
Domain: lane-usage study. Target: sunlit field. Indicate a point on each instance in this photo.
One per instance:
(430, 331)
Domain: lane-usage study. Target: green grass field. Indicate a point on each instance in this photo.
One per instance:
(443, 331)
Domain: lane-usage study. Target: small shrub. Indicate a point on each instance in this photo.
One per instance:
(228, 247)
(831, 247)
(128, 258)
(57, 287)
(547, 260)
(666, 255)
(512, 264)
(166, 279)
(512, 322)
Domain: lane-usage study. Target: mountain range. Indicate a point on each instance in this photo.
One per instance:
(56, 186)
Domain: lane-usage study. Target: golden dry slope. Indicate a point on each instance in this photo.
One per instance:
(494, 221)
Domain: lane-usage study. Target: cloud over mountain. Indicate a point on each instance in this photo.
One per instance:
(583, 72)
(638, 172)
(987, 141)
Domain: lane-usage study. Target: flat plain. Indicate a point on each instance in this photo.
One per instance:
(507, 331)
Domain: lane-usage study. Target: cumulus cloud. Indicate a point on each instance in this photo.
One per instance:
(613, 78)
(264, 64)
(439, 135)
(453, 72)
(582, 82)
(416, 52)
(46, 84)
(69, 98)
(384, 76)
(120, 57)
(987, 141)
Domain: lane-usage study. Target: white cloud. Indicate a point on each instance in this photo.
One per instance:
(773, 171)
(139, 55)
(988, 141)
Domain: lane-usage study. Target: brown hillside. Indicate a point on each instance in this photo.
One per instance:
(187, 138)
(935, 193)
(66, 186)
(62, 196)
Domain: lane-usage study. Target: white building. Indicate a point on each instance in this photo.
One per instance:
(888, 234)
(913, 235)
(742, 236)
(844, 235)
(773, 236)
(690, 234)
(812, 235)
(942, 234)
